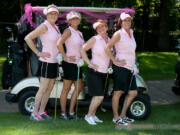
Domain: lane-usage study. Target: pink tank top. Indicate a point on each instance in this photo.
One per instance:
(125, 49)
(49, 42)
(73, 44)
(99, 56)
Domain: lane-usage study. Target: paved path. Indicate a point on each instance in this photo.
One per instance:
(4, 106)
(159, 91)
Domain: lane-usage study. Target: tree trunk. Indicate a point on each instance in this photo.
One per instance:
(21, 4)
(163, 41)
(145, 25)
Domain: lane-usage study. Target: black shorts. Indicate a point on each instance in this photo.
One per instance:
(96, 82)
(47, 70)
(122, 78)
(70, 71)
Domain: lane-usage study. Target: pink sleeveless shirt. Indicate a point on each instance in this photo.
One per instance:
(125, 48)
(99, 56)
(73, 44)
(49, 42)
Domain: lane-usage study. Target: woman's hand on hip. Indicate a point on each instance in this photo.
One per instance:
(70, 58)
(119, 62)
(44, 55)
(93, 66)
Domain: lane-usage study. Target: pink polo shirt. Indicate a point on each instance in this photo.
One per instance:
(99, 56)
(49, 42)
(125, 48)
(73, 44)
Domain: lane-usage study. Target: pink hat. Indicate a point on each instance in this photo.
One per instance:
(51, 9)
(72, 15)
(124, 16)
(96, 24)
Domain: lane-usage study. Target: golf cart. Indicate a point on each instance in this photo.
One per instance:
(25, 90)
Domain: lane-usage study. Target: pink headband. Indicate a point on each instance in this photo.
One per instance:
(73, 15)
(124, 16)
(51, 9)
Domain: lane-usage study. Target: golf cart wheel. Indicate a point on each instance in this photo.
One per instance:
(140, 107)
(26, 101)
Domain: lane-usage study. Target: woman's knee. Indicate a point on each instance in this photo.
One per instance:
(100, 97)
(66, 89)
(133, 93)
(80, 88)
(51, 85)
(44, 85)
(39, 94)
(117, 93)
(41, 90)
(80, 85)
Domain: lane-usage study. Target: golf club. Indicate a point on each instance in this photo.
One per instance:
(55, 109)
(80, 63)
(77, 91)
(110, 71)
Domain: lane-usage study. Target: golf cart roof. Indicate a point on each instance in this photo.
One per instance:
(92, 9)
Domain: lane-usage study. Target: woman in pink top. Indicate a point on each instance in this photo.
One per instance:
(97, 69)
(124, 82)
(49, 34)
(73, 40)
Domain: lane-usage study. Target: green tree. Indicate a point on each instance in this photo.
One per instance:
(153, 19)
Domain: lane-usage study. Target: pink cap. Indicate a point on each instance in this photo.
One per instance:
(124, 16)
(51, 9)
(72, 15)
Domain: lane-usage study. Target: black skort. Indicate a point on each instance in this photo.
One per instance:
(122, 78)
(70, 71)
(96, 82)
(47, 70)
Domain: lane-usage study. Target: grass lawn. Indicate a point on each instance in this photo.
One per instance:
(162, 116)
(157, 65)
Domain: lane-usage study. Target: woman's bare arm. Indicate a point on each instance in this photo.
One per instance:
(88, 45)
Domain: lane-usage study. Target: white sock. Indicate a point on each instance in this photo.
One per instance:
(63, 114)
(71, 113)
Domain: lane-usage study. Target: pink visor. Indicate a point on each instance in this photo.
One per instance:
(124, 15)
(96, 24)
(72, 15)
